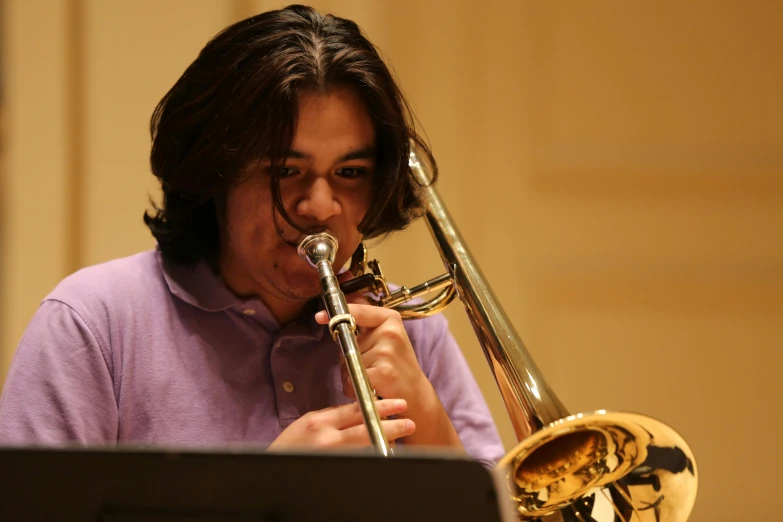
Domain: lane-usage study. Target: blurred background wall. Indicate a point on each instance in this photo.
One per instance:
(615, 166)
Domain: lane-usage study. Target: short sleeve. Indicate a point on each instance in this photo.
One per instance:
(59, 388)
(444, 365)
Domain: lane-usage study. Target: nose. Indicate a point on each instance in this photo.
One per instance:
(318, 201)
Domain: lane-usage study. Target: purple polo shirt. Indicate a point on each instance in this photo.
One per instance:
(143, 351)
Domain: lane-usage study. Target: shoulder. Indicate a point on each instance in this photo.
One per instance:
(90, 306)
(431, 339)
(427, 330)
(115, 284)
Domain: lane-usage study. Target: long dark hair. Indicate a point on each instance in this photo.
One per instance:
(236, 103)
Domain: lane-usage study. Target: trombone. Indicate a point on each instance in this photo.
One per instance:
(566, 467)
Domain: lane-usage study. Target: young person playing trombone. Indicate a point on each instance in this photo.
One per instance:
(287, 124)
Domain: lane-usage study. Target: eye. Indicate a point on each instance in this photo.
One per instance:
(286, 172)
(351, 172)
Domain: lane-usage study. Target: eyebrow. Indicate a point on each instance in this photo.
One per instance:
(367, 152)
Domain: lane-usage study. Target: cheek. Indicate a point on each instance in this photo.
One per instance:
(354, 216)
(246, 209)
(359, 205)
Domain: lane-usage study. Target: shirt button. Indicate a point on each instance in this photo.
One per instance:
(249, 311)
(288, 387)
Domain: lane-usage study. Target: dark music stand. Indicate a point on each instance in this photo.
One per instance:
(158, 485)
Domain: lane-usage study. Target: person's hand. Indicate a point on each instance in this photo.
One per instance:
(342, 426)
(394, 372)
(388, 356)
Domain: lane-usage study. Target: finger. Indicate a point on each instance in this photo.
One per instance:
(382, 380)
(345, 377)
(349, 415)
(392, 429)
(388, 341)
(348, 389)
(365, 315)
(371, 316)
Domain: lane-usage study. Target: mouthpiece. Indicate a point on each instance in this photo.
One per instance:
(318, 247)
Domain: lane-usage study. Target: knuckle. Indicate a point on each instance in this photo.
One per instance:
(392, 315)
(312, 423)
(387, 372)
(385, 350)
(353, 410)
(397, 428)
(391, 333)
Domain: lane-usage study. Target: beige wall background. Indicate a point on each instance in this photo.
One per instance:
(615, 166)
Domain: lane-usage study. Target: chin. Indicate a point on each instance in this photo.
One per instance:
(302, 283)
(300, 280)
(301, 292)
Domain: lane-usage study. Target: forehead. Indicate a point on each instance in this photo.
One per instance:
(334, 121)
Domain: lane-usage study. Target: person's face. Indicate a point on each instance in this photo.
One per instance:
(326, 185)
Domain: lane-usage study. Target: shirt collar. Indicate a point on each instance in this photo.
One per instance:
(199, 286)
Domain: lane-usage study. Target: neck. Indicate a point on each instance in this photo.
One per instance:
(283, 309)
